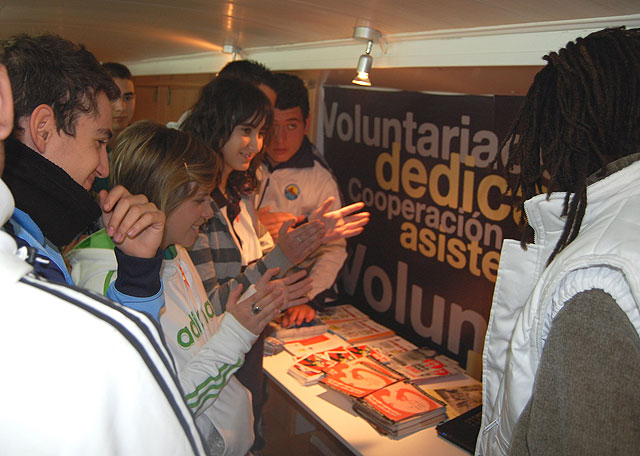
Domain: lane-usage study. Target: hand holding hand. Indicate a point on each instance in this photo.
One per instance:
(341, 223)
(135, 224)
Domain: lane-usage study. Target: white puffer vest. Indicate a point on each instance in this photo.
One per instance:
(528, 296)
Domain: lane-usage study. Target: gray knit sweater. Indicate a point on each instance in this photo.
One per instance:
(586, 399)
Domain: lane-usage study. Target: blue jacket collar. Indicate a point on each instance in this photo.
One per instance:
(28, 225)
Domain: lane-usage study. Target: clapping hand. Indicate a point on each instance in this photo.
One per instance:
(256, 311)
(341, 223)
(273, 221)
(298, 243)
(295, 288)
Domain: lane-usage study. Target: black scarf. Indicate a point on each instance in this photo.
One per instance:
(60, 206)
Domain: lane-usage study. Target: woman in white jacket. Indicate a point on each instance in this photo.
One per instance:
(177, 173)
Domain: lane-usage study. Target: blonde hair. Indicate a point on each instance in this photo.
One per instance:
(163, 164)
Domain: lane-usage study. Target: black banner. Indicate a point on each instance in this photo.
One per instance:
(426, 264)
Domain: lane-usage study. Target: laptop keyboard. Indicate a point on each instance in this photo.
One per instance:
(473, 419)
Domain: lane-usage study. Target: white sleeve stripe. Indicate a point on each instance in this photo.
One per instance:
(148, 343)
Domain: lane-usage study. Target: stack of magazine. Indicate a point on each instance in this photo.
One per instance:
(357, 331)
(359, 377)
(304, 330)
(303, 347)
(382, 373)
(385, 349)
(459, 399)
(352, 325)
(400, 409)
(344, 320)
(311, 368)
(422, 366)
(340, 314)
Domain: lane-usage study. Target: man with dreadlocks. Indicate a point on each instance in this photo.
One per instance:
(562, 351)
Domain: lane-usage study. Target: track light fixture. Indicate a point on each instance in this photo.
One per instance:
(366, 60)
(364, 66)
(231, 48)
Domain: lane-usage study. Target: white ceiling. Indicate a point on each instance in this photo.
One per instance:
(165, 36)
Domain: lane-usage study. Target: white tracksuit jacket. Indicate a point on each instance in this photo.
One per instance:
(208, 349)
(82, 375)
(300, 186)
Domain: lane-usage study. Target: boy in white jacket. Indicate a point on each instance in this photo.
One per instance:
(99, 369)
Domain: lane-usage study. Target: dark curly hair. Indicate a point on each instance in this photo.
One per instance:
(581, 113)
(224, 104)
(292, 93)
(48, 69)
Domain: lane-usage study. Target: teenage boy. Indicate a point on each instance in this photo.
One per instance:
(122, 110)
(62, 106)
(83, 359)
(296, 181)
(124, 106)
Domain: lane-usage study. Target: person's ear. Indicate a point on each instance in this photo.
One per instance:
(6, 104)
(42, 127)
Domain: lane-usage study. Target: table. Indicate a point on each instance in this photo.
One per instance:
(333, 411)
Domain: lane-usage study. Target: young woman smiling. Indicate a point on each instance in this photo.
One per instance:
(232, 116)
(177, 173)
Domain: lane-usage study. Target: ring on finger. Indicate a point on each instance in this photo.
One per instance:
(255, 309)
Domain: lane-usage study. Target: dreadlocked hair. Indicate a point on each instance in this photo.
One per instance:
(581, 113)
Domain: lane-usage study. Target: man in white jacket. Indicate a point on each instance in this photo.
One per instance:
(562, 351)
(85, 375)
(295, 182)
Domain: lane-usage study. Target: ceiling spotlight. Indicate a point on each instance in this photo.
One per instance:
(231, 48)
(364, 66)
(366, 60)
